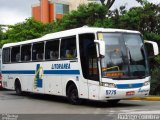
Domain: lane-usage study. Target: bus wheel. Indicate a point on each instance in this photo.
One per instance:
(113, 102)
(18, 87)
(72, 94)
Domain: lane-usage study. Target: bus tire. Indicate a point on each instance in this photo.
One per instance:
(113, 102)
(18, 88)
(72, 94)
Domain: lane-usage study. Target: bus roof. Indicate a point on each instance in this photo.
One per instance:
(70, 32)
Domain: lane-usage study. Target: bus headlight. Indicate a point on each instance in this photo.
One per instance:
(110, 85)
(146, 83)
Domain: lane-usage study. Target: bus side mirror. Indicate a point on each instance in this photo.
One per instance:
(101, 46)
(152, 48)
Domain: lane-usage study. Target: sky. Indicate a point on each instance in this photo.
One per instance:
(15, 11)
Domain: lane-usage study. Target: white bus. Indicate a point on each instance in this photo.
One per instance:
(82, 63)
(0, 70)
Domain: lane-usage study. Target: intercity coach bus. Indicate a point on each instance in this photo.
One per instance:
(82, 63)
(0, 71)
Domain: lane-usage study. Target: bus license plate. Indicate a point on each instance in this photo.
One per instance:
(130, 93)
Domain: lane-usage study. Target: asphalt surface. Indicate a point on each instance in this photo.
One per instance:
(40, 107)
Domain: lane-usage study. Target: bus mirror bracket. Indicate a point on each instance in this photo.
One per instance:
(101, 46)
(154, 47)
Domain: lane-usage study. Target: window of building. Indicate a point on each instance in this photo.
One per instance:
(68, 48)
(62, 8)
(38, 51)
(59, 8)
(52, 50)
(26, 52)
(6, 55)
(15, 54)
(65, 9)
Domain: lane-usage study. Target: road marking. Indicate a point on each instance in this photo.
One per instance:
(146, 112)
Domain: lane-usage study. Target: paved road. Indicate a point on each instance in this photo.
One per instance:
(44, 104)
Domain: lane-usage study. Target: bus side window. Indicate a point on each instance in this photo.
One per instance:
(52, 50)
(15, 54)
(6, 55)
(68, 48)
(17, 57)
(89, 61)
(38, 51)
(39, 56)
(26, 53)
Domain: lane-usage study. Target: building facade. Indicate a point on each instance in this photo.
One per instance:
(49, 10)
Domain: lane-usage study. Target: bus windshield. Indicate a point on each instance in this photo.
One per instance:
(125, 56)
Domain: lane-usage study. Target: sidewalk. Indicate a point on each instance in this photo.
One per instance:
(148, 98)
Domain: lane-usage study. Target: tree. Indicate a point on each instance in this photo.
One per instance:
(1, 33)
(145, 19)
(27, 30)
(108, 4)
(142, 2)
(84, 15)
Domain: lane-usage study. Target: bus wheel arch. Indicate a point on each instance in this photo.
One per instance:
(72, 93)
(17, 86)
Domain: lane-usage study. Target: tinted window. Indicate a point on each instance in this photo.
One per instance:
(15, 54)
(6, 55)
(52, 50)
(68, 48)
(26, 53)
(38, 51)
(88, 56)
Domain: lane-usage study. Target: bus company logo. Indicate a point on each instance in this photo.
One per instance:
(142, 91)
(61, 66)
(38, 79)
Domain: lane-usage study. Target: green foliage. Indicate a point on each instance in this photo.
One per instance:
(155, 83)
(152, 36)
(30, 29)
(107, 4)
(2, 42)
(27, 30)
(1, 33)
(85, 15)
(144, 19)
(142, 2)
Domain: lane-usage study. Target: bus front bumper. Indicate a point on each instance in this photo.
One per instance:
(114, 93)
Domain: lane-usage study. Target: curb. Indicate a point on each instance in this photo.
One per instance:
(150, 98)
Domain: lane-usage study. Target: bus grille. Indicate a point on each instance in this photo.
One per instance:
(128, 86)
